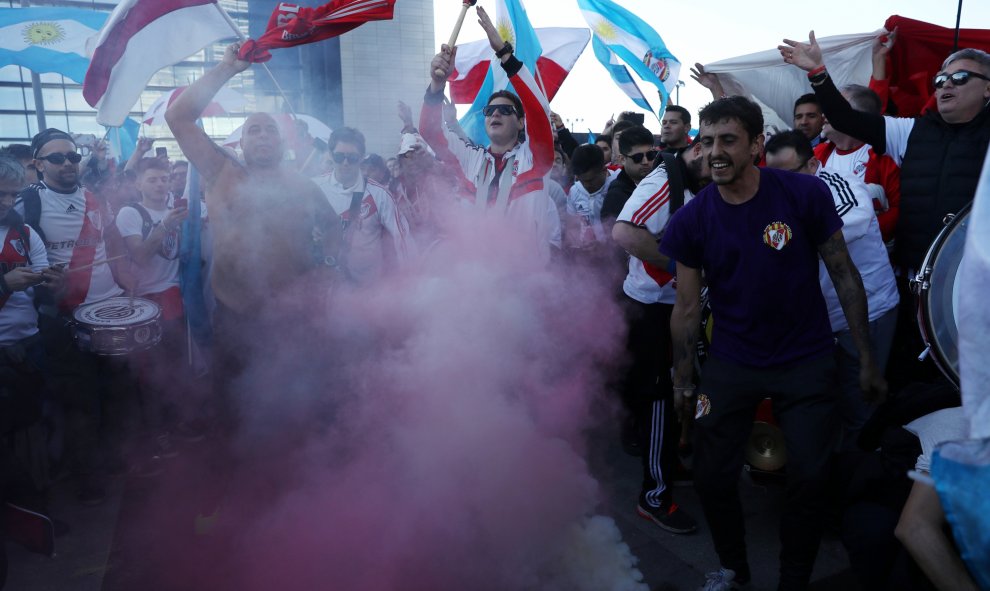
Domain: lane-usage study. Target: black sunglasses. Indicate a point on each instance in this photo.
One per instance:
(958, 78)
(58, 158)
(637, 158)
(350, 157)
(503, 110)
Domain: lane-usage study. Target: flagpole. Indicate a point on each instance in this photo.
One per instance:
(39, 102)
(243, 38)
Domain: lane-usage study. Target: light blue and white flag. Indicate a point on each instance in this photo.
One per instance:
(620, 74)
(635, 43)
(514, 27)
(48, 39)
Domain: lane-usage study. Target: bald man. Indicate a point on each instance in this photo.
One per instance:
(275, 235)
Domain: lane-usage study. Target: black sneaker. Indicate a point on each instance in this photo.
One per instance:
(672, 519)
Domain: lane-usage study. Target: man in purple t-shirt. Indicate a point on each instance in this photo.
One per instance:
(757, 235)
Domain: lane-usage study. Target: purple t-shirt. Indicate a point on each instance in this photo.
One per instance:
(760, 261)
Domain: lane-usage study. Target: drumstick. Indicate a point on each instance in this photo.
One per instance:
(103, 262)
(457, 29)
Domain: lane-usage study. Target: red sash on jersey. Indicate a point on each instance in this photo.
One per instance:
(11, 257)
(77, 283)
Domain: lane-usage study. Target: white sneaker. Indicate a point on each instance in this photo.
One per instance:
(724, 579)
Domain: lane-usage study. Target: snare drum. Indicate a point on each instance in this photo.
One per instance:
(117, 326)
(937, 288)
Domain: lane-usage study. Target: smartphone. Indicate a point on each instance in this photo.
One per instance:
(161, 152)
(180, 202)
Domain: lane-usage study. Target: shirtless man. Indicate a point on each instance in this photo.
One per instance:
(274, 232)
(263, 217)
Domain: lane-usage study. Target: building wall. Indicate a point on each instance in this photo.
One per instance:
(383, 62)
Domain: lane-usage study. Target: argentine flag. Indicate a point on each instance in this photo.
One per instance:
(48, 39)
(514, 26)
(620, 75)
(635, 43)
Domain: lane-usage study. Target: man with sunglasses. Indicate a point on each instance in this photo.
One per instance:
(637, 154)
(367, 211)
(648, 301)
(940, 153)
(72, 222)
(508, 176)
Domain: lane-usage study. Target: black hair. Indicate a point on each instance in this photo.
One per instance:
(807, 99)
(516, 102)
(347, 135)
(791, 139)
(587, 157)
(632, 117)
(740, 108)
(635, 136)
(17, 151)
(621, 126)
(685, 114)
(604, 137)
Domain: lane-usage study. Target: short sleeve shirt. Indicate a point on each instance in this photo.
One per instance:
(760, 260)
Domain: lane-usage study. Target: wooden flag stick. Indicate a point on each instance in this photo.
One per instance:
(457, 28)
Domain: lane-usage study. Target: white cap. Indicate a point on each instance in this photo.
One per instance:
(412, 141)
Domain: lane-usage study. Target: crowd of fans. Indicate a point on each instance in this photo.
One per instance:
(798, 246)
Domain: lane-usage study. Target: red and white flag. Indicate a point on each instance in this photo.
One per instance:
(291, 24)
(140, 38)
(561, 49)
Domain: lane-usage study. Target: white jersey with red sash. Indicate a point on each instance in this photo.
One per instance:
(649, 207)
(73, 225)
(519, 192)
(378, 216)
(18, 317)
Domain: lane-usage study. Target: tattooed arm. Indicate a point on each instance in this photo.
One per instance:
(849, 287)
(685, 323)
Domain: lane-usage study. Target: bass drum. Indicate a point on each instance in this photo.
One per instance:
(937, 288)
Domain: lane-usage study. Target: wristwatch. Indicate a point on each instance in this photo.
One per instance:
(506, 50)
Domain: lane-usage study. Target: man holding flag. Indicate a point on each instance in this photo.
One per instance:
(273, 231)
(508, 176)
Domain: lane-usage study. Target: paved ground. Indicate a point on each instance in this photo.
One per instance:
(668, 562)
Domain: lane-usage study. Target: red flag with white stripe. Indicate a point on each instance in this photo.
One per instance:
(140, 38)
(561, 48)
(291, 24)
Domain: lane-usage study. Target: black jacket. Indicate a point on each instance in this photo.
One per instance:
(939, 172)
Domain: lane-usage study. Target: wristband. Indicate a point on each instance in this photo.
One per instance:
(506, 50)
(816, 71)
(818, 79)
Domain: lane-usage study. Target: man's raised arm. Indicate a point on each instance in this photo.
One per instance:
(181, 116)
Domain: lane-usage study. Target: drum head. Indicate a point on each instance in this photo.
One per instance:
(120, 311)
(939, 298)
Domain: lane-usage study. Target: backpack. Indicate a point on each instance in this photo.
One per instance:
(146, 224)
(675, 180)
(31, 199)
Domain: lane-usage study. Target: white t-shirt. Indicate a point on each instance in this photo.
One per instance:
(62, 216)
(588, 207)
(649, 207)
(18, 317)
(898, 130)
(161, 271)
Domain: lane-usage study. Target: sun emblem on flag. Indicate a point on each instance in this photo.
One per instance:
(43, 33)
(606, 30)
(506, 32)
